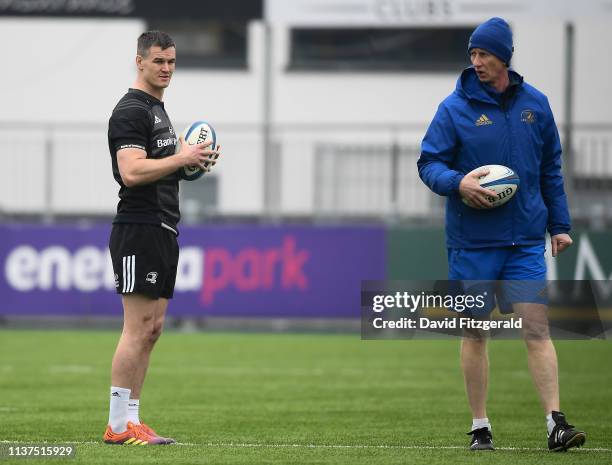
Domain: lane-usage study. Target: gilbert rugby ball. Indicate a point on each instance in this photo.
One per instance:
(501, 180)
(196, 133)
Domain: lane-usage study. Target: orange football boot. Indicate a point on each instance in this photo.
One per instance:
(133, 436)
(147, 429)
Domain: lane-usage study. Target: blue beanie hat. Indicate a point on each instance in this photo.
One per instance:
(494, 36)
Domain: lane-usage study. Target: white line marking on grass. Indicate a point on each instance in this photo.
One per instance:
(369, 446)
(5, 441)
(320, 446)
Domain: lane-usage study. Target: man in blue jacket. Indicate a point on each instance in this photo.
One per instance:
(494, 117)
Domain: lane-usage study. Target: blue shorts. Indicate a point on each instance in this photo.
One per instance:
(515, 274)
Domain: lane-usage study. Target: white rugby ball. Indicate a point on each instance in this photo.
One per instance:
(501, 180)
(198, 132)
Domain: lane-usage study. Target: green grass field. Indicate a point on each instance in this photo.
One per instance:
(297, 398)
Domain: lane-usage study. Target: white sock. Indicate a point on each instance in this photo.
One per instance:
(118, 414)
(550, 423)
(478, 423)
(133, 407)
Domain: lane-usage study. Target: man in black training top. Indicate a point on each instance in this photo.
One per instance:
(143, 244)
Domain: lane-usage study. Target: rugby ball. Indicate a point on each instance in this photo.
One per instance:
(501, 180)
(198, 132)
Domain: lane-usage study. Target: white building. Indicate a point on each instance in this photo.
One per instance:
(331, 130)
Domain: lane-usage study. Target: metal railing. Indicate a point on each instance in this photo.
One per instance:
(339, 171)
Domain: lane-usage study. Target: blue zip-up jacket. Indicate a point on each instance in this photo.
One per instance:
(522, 135)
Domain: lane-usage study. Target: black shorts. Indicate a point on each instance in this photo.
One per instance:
(145, 259)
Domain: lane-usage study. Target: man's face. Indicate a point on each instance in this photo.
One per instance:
(488, 67)
(157, 67)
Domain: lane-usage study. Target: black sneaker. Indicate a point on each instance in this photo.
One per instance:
(482, 439)
(564, 436)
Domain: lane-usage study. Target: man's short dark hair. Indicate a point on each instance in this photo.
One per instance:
(153, 39)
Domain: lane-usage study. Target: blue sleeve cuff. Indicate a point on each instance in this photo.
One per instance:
(455, 181)
(558, 230)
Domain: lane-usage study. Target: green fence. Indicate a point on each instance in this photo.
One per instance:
(421, 254)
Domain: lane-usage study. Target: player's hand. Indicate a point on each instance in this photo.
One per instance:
(560, 242)
(470, 189)
(197, 155)
(211, 159)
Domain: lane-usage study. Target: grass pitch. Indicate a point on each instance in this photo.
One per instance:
(296, 398)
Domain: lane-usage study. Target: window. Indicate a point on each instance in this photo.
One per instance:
(207, 44)
(388, 49)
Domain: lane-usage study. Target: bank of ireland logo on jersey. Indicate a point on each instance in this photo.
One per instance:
(528, 116)
(152, 277)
